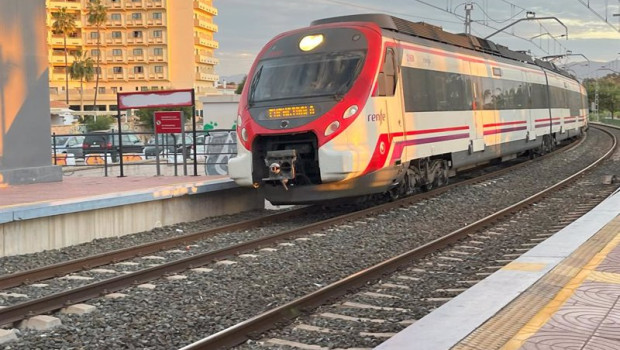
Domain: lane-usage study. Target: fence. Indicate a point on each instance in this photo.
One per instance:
(142, 155)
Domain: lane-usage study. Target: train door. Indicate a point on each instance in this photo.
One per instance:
(392, 103)
(477, 142)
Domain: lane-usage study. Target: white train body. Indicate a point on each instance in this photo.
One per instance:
(412, 110)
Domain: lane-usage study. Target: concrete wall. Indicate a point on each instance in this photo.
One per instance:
(58, 231)
(24, 95)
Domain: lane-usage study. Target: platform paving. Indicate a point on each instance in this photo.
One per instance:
(562, 294)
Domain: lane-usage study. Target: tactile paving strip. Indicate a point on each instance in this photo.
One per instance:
(552, 315)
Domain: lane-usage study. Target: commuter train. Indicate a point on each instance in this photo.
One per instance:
(371, 104)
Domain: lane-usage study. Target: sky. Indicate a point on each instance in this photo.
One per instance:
(245, 26)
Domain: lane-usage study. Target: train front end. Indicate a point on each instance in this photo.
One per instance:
(299, 135)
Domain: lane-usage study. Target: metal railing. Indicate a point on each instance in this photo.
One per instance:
(141, 157)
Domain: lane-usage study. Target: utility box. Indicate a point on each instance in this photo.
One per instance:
(219, 111)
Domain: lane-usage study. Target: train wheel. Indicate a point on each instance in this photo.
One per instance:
(409, 181)
(441, 175)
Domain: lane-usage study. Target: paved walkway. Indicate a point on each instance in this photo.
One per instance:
(80, 187)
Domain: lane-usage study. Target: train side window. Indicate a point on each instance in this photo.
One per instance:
(388, 74)
(487, 94)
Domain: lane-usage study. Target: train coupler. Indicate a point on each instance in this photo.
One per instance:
(281, 166)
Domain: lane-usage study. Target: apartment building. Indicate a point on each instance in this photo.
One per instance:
(144, 45)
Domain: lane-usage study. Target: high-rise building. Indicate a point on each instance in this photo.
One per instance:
(143, 45)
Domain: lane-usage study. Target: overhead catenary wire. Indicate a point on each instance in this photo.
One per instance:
(401, 14)
(604, 19)
(481, 22)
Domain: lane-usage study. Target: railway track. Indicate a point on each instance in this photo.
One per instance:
(110, 257)
(17, 312)
(93, 290)
(270, 319)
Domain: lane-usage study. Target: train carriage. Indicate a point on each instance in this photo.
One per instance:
(369, 104)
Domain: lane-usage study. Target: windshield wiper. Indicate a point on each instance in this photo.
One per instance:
(253, 86)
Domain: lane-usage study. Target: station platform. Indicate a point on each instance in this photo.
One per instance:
(562, 294)
(42, 216)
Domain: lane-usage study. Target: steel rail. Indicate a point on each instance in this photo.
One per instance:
(63, 268)
(66, 267)
(241, 332)
(59, 300)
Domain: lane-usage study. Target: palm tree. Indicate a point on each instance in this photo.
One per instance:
(82, 69)
(97, 14)
(64, 23)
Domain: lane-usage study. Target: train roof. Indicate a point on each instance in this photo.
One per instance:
(434, 33)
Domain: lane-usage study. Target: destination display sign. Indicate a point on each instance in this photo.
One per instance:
(291, 112)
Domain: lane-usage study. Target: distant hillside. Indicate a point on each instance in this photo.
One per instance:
(583, 70)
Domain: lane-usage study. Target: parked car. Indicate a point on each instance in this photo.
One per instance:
(103, 141)
(167, 144)
(68, 145)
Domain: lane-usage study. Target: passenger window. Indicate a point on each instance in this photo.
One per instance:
(388, 75)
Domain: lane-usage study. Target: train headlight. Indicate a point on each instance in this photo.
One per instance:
(351, 111)
(332, 128)
(310, 42)
(244, 134)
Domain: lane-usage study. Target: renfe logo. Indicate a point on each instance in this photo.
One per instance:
(379, 117)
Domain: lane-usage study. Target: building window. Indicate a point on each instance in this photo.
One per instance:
(138, 69)
(117, 70)
(94, 52)
(102, 90)
(159, 69)
(144, 88)
(156, 15)
(117, 35)
(115, 17)
(138, 52)
(94, 35)
(158, 51)
(154, 88)
(114, 89)
(117, 52)
(157, 34)
(137, 34)
(98, 70)
(136, 16)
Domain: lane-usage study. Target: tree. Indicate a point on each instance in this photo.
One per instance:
(97, 14)
(146, 114)
(64, 23)
(239, 89)
(82, 69)
(608, 92)
(102, 123)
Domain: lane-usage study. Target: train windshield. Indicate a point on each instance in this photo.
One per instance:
(326, 74)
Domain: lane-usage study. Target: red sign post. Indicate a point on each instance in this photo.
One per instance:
(168, 122)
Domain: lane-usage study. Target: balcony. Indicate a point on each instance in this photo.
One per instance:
(135, 40)
(206, 42)
(154, 4)
(207, 76)
(205, 25)
(70, 5)
(60, 59)
(199, 5)
(158, 40)
(59, 41)
(135, 23)
(93, 42)
(207, 59)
